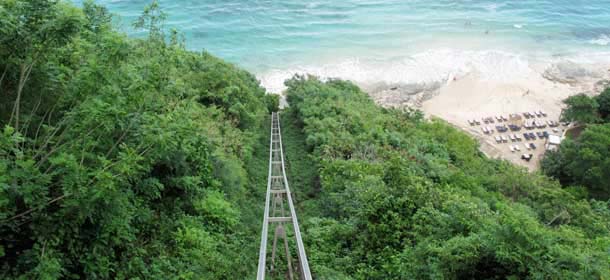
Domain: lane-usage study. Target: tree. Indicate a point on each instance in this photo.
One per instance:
(406, 198)
(604, 104)
(98, 17)
(585, 161)
(29, 31)
(553, 164)
(125, 173)
(581, 108)
(152, 20)
(273, 102)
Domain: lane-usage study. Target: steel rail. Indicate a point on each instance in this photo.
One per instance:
(262, 258)
(262, 254)
(297, 232)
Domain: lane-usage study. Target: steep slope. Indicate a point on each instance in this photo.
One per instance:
(405, 198)
(123, 158)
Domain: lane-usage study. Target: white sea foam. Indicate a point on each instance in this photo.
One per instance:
(494, 7)
(518, 26)
(602, 40)
(426, 67)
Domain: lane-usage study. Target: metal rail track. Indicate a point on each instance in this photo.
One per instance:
(278, 191)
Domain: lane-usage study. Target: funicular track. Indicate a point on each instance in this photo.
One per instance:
(278, 218)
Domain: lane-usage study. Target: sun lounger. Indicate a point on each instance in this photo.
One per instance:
(532, 145)
(514, 127)
(517, 148)
(512, 149)
(517, 137)
(504, 139)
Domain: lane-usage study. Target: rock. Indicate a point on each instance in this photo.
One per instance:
(401, 95)
(569, 73)
(601, 85)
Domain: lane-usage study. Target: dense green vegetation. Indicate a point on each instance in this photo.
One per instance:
(585, 161)
(581, 108)
(603, 100)
(135, 158)
(123, 158)
(404, 198)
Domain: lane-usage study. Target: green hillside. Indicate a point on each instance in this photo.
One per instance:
(125, 158)
(399, 197)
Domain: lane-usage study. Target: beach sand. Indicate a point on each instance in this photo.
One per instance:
(509, 86)
(470, 97)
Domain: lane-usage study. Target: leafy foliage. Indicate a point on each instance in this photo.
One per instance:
(581, 108)
(128, 158)
(603, 99)
(584, 161)
(123, 158)
(405, 198)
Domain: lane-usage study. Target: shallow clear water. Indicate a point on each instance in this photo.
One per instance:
(389, 40)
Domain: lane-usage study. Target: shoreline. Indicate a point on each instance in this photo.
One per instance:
(470, 97)
(438, 66)
(473, 85)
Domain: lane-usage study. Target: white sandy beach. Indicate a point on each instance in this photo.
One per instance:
(458, 86)
(470, 97)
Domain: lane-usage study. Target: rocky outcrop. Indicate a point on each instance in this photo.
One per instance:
(568, 73)
(584, 78)
(402, 95)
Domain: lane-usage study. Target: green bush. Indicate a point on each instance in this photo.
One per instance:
(121, 158)
(406, 198)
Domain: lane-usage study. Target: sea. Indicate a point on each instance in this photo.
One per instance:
(391, 41)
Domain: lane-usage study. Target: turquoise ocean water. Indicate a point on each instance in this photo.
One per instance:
(388, 40)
